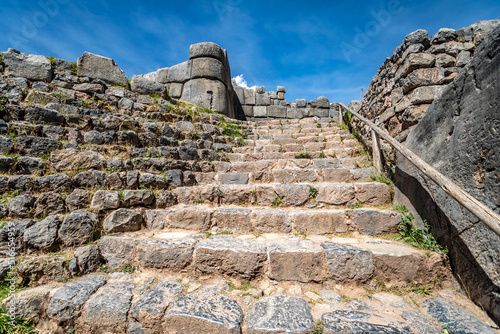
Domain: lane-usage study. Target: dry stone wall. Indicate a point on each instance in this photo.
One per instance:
(415, 75)
(258, 104)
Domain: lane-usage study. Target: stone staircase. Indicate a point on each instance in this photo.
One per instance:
(162, 217)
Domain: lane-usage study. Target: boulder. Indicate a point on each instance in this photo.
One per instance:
(42, 269)
(123, 220)
(348, 263)
(105, 200)
(138, 197)
(6, 145)
(148, 311)
(179, 73)
(21, 205)
(208, 68)
(173, 254)
(29, 303)
(68, 300)
(229, 256)
(117, 251)
(28, 66)
(206, 49)
(78, 199)
(143, 85)
(39, 115)
(78, 227)
(49, 203)
(444, 35)
(53, 182)
(343, 321)
(85, 260)
(42, 235)
(279, 314)
(204, 312)
(206, 93)
(99, 67)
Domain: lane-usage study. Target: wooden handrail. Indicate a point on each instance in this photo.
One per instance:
(477, 208)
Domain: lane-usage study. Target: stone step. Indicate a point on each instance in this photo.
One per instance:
(345, 155)
(289, 175)
(144, 302)
(337, 194)
(276, 257)
(312, 148)
(328, 140)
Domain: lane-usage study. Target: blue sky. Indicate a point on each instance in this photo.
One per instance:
(314, 48)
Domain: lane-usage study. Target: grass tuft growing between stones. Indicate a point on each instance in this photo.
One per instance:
(384, 178)
(319, 328)
(302, 155)
(16, 325)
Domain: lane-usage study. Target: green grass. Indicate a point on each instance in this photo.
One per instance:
(277, 202)
(382, 179)
(74, 70)
(123, 269)
(313, 192)
(198, 201)
(8, 325)
(52, 60)
(343, 126)
(418, 237)
(319, 328)
(302, 155)
(119, 85)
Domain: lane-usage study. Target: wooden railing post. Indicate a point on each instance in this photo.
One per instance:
(341, 117)
(377, 153)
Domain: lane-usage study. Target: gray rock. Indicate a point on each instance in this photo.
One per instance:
(229, 256)
(105, 200)
(93, 137)
(117, 251)
(7, 164)
(199, 88)
(36, 145)
(471, 163)
(5, 145)
(348, 263)
(453, 318)
(180, 72)
(174, 177)
(40, 86)
(49, 203)
(152, 181)
(167, 131)
(204, 312)
(40, 115)
(21, 205)
(78, 199)
(123, 220)
(322, 102)
(111, 306)
(99, 67)
(138, 197)
(330, 296)
(233, 178)
(20, 182)
(68, 300)
(42, 235)
(149, 310)
(90, 179)
(86, 259)
(14, 230)
(28, 66)
(280, 314)
(78, 227)
(89, 88)
(30, 165)
(65, 109)
(63, 64)
(206, 49)
(165, 254)
(419, 36)
(444, 35)
(29, 303)
(219, 147)
(143, 85)
(208, 68)
(43, 269)
(54, 182)
(53, 131)
(155, 219)
(420, 323)
(359, 322)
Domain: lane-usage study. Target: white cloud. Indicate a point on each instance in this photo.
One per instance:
(240, 81)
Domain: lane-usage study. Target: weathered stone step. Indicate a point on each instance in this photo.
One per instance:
(289, 175)
(329, 141)
(141, 302)
(345, 157)
(370, 193)
(344, 134)
(280, 258)
(311, 148)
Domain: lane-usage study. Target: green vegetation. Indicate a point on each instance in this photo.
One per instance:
(198, 201)
(123, 269)
(313, 192)
(384, 178)
(157, 98)
(74, 70)
(343, 126)
(232, 130)
(357, 205)
(277, 202)
(302, 233)
(120, 85)
(8, 325)
(302, 155)
(52, 60)
(244, 285)
(319, 328)
(418, 237)
(322, 155)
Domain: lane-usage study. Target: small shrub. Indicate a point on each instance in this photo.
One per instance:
(418, 237)
(319, 328)
(302, 155)
(384, 178)
(313, 192)
(198, 201)
(322, 155)
(277, 202)
(52, 60)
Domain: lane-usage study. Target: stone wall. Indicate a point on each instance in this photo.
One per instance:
(415, 75)
(459, 137)
(258, 104)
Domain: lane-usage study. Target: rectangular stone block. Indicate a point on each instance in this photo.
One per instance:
(296, 260)
(175, 89)
(320, 221)
(425, 94)
(239, 93)
(165, 254)
(229, 256)
(190, 218)
(232, 220)
(155, 219)
(248, 111)
(277, 111)
(249, 96)
(237, 194)
(294, 113)
(271, 221)
(301, 103)
(371, 221)
(295, 175)
(335, 193)
(260, 111)
(372, 193)
(262, 99)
